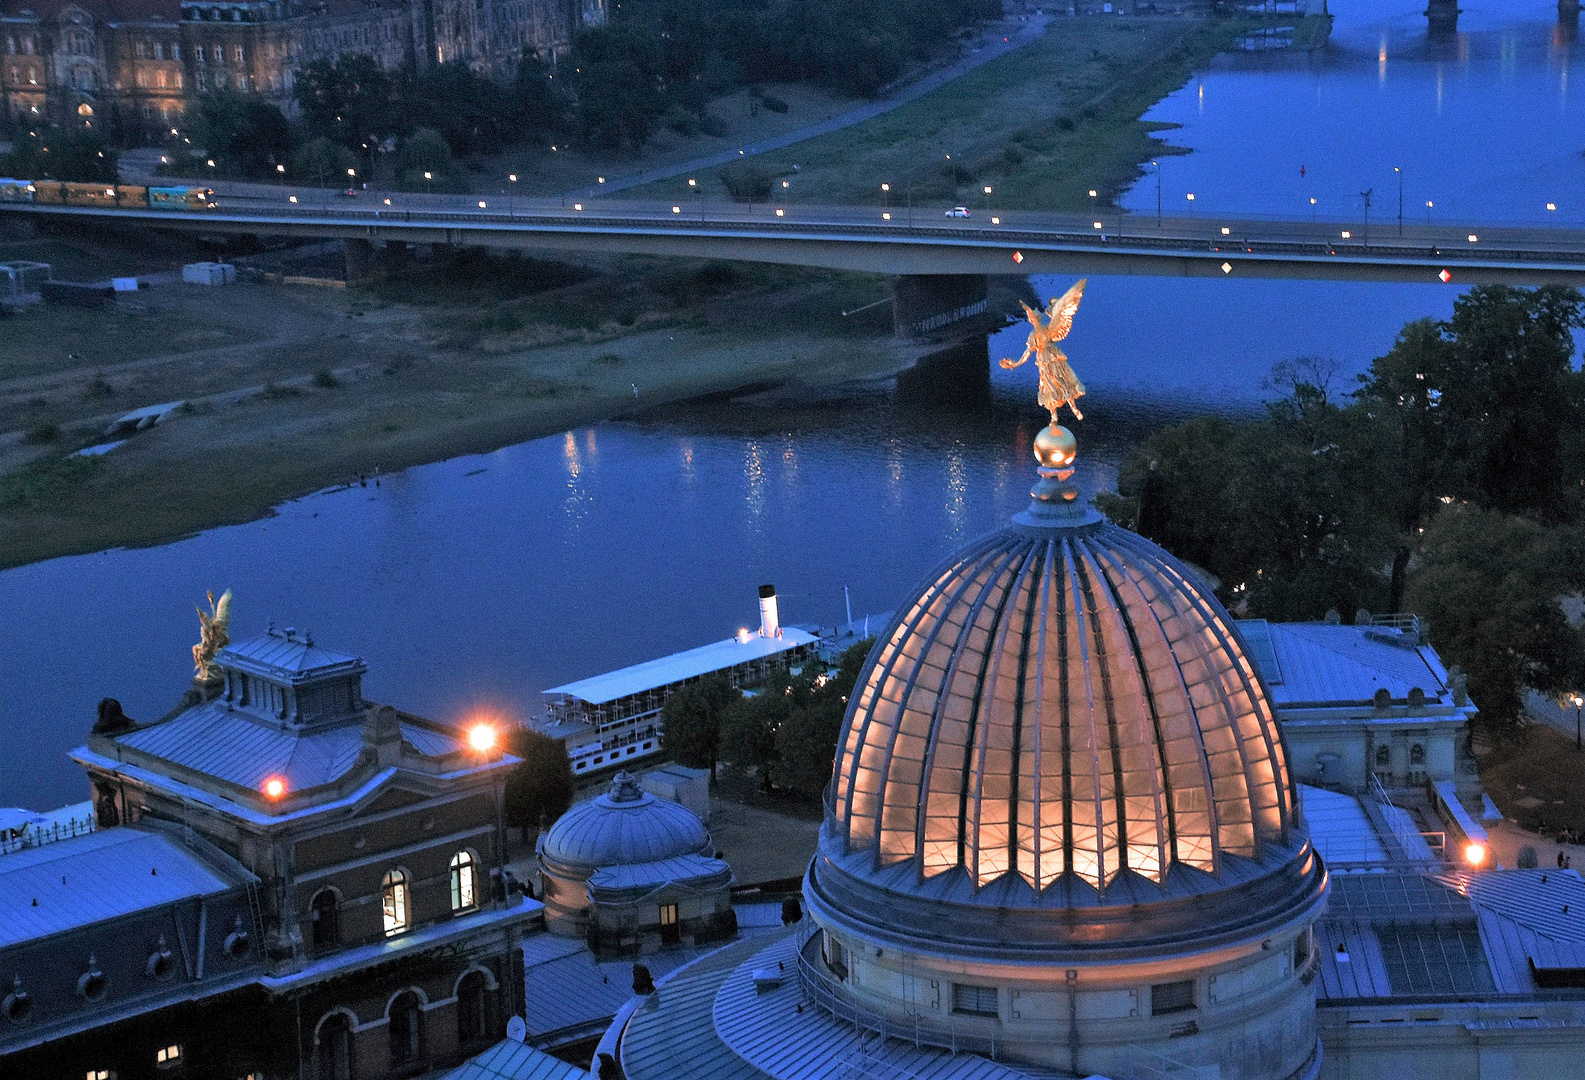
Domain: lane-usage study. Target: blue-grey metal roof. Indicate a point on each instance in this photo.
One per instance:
(242, 749)
(679, 869)
(1317, 663)
(603, 832)
(767, 1030)
(569, 988)
(102, 875)
(290, 656)
(1339, 827)
(1549, 902)
(508, 1060)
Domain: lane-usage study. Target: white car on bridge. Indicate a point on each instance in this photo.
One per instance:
(957, 211)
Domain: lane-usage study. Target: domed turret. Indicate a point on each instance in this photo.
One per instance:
(626, 826)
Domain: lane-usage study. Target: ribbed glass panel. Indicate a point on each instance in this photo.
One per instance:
(1052, 706)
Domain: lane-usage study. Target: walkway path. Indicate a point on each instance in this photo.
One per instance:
(1011, 36)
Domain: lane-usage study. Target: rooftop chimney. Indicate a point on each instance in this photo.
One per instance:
(768, 624)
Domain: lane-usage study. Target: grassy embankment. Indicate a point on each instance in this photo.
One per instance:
(295, 389)
(1041, 126)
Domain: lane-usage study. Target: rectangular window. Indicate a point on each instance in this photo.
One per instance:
(835, 956)
(1301, 950)
(159, 78)
(971, 1000)
(668, 914)
(237, 54)
(1171, 997)
(176, 53)
(101, 1074)
(159, 50)
(168, 1057)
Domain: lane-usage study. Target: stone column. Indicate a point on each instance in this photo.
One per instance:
(359, 257)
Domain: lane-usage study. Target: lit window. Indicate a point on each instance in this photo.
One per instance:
(463, 871)
(101, 1074)
(971, 1000)
(395, 902)
(668, 914)
(167, 1057)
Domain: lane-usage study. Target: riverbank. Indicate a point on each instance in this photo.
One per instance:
(289, 390)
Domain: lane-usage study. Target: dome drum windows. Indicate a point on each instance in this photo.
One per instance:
(969, 999)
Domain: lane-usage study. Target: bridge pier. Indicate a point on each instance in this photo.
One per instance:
(1568, 19)
(358, 256)
(926, 304)
(1442, 17)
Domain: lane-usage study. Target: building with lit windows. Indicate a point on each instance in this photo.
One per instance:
(283, 880)
(133, 67)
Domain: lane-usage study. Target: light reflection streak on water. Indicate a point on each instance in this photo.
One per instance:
(575, 507)
(685, 453)
(754, 486)
(957, 489)
(789, 463)
(1381, 62)
(894, 473)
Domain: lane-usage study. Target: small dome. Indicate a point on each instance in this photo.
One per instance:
(623, 827)
(1061, 705)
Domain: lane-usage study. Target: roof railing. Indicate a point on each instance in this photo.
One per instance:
(37, 835)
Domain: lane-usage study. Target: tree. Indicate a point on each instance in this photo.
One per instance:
(748, 729)
(1489, 585)
(322, 163)
(692, 719)
(78, 156)
(244, 136)
(540, 100)
(806, 740)
(470, 112)
(351, 101)
(540, 786)
(621, 92)
(426, 151)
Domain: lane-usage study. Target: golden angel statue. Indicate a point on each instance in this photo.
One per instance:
(1059, 386)
(213, 637)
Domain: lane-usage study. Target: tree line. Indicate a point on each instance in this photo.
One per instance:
(1450, 482)
(658, 63)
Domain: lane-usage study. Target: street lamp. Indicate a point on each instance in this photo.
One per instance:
(886, 196)
(1157, 166)
(1365, 195)
(987, 198)
(1579, 702)
(429, 185)
(1400, 198)
(1428, 205)
(695, 185)
(1190, 198)
(511, 199)
(1312, 209)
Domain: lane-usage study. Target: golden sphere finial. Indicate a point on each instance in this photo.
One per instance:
(1055, 447)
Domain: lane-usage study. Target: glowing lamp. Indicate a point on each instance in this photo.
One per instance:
(676, 209)
(1347, 235)
(1226, 230)
(887, 216)
(482, 204)
(274, 787)
(577, 206)
(781, 213)
(481, 737)
(1475, 853)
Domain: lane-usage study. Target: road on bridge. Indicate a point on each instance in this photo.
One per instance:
(897, 240)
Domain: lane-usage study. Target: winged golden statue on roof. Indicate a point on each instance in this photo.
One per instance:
(212, 634)
(1059, 386)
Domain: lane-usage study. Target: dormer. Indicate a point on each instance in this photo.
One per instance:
(283, 677)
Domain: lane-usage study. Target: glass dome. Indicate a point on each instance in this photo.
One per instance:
(1062, 702)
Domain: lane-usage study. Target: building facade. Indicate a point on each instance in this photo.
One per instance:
(288, 881)
(133, 67)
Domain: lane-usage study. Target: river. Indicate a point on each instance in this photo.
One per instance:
(472, 584)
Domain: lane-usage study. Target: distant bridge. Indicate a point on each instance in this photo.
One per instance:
(907, 243)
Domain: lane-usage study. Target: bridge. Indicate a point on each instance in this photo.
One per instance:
(941, 261)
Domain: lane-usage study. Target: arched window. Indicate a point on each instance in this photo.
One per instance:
(405, 1027)
(394, 904)
(473, 1004)
(326, 917)
(464, 870)
(333, 1048)
(1416, 754)
(1383, 756)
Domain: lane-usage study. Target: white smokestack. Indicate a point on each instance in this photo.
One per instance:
(768, 624)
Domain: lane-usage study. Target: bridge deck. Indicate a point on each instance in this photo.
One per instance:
(916, 242)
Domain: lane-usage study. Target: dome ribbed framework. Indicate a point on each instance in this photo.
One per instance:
(1061, 701)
